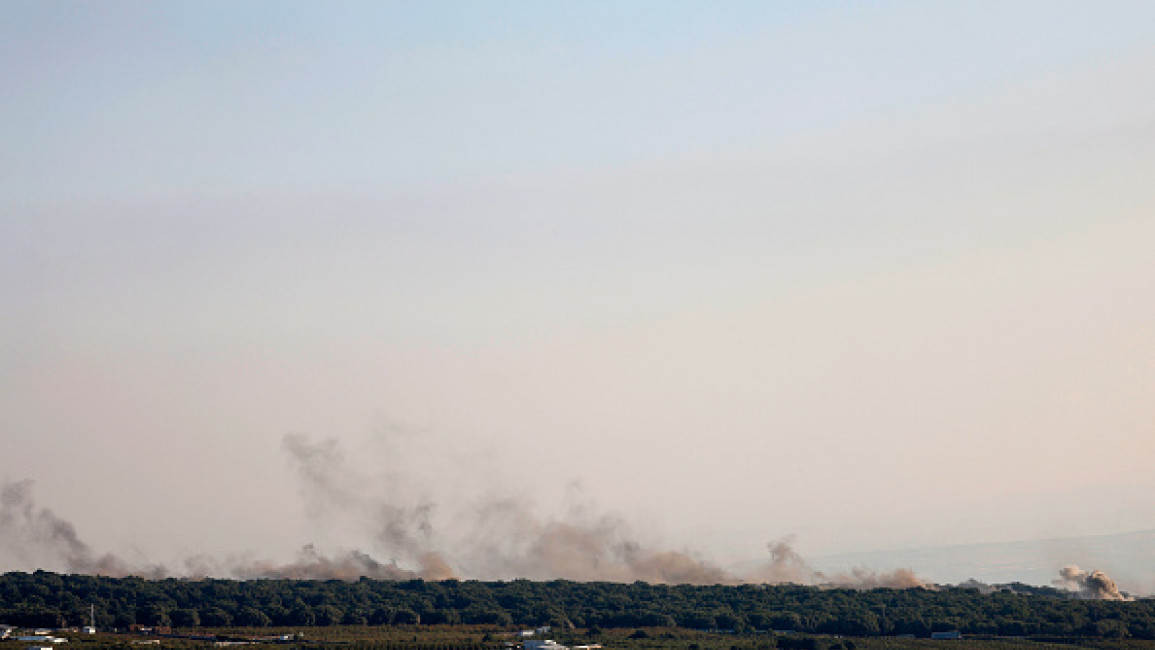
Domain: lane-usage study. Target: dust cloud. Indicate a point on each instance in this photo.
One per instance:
(1094, 585)
(33, 534)
(786, 565)
(408, 532)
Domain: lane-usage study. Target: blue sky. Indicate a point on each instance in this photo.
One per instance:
(140, 99)
(876, 275)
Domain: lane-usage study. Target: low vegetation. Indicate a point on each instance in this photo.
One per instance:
(473, 614)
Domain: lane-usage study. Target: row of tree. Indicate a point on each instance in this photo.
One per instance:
(44, 599)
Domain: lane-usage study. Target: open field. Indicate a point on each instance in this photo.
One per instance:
(447, 637)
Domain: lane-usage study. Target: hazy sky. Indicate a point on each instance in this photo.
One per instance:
(879, 275)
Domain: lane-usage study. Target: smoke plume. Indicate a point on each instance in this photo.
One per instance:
(494, 534)
(37, 535)
(786, 565)
(312, 565)
(862, 578)
(398, 526)
(516, 542)
(495, 537)
(502, 536)
(1095, 585)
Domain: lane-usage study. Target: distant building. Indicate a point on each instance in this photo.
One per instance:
(544, 644)
(941, 636)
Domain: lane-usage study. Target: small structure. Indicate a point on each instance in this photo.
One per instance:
(544, 644)
(137, 628)
(42, 639)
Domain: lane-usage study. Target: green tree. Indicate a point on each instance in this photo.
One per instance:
(327, 615)
(252, 617)
(216, 617)
(406, 617)
(153, 615)
(185, 618)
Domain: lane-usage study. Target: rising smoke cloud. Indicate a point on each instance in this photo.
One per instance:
(786, 565)
(1094, 585)
(34, 535)
(501, 536)
(498, 536)
(312, 564)
(494, 535)
(398, 526)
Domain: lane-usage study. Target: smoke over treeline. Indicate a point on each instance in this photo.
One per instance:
(1094, 585)
(500, 535)
(409, 533)
(34, 535)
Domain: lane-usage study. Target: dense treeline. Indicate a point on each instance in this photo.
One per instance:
(44, 599)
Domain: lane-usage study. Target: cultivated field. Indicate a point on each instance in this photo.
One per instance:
(448, 637)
